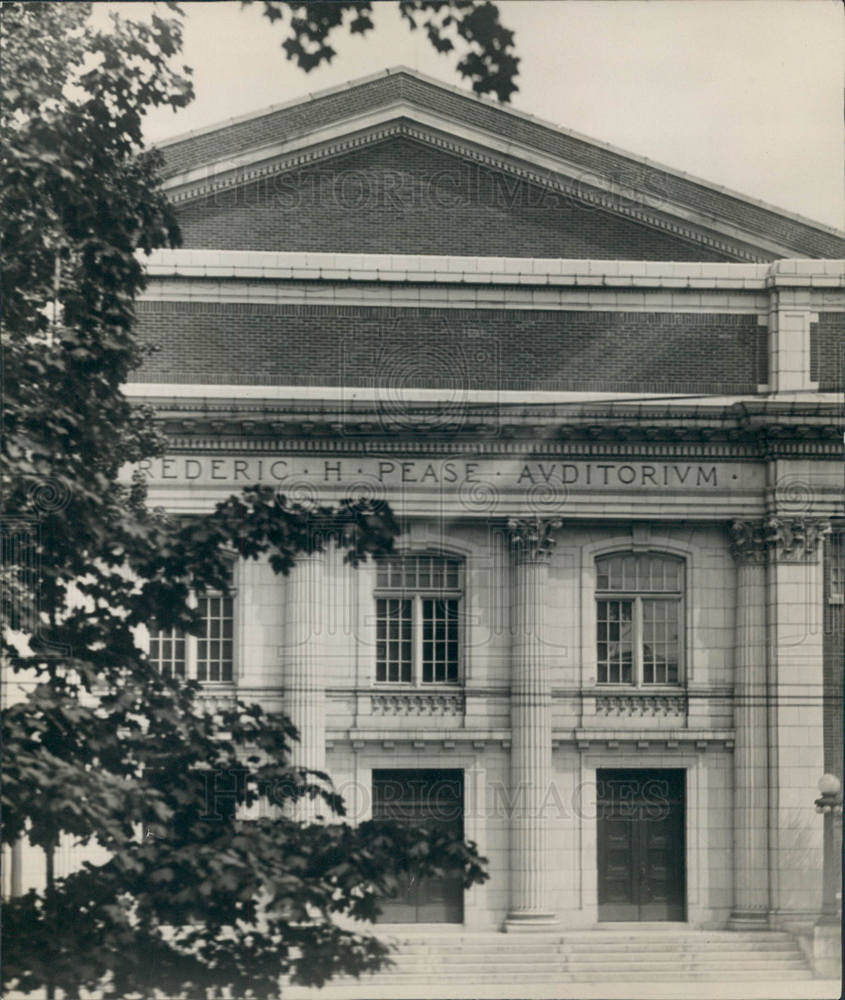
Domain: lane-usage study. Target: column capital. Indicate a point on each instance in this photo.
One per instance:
(748, 541)
(795, 539)
(779, 539)
(531, 537)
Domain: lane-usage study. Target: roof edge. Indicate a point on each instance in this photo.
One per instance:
(514, 112)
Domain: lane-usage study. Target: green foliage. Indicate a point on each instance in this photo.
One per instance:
(489, 60)
(190, 897)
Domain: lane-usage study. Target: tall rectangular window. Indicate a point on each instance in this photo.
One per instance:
(418, 602)
(208, 656)
(214, 646)
(638, 619)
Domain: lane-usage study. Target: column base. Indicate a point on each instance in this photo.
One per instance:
(526, 923)
(748, 920)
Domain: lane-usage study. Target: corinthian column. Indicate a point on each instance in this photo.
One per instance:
(305, 684)
(751, 799)
(531, 740)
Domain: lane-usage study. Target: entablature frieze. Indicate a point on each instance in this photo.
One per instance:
(497, 486)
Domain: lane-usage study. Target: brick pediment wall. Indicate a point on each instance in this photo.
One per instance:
(401, 196)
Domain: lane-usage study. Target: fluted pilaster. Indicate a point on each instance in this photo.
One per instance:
(778, 717)
(305, 683)
(531, 746)
(794, 591)
(751, 800)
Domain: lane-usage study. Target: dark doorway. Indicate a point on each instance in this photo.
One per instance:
(425, 796)
(641, 849)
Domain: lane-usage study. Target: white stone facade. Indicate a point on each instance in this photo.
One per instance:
(528, 490)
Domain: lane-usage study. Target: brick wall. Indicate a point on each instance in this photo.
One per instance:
(827, 351)
(265, 344)
(402, 197)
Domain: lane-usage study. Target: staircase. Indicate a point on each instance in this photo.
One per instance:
(466, 964)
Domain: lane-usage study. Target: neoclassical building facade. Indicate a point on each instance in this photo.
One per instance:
(604, 400)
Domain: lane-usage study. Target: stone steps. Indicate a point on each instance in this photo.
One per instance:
(518, 968)
(656, 975)
(669, 962)
(602, 947)
(591, 937)
(521, 964)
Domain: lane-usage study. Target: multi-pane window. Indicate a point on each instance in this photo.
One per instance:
(214, 645)
(208, 656)
(418, 600)
(638, 619)
(167, 651)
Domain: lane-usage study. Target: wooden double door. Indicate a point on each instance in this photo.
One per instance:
(433, 797)
(641, 847)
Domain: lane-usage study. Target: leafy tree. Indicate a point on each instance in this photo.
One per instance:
(189, 896)
(488, 60)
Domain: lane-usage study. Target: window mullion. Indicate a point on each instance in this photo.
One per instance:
(682, 642)
(417, 638)
(638, 642)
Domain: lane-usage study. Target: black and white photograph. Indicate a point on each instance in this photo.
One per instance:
(423, 500)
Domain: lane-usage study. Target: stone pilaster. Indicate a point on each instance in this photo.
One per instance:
(750, 818)
(304, 681)
(795, 713)
(790, 318)
(531, 739)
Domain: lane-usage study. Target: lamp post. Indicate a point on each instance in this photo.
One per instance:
(829, 804)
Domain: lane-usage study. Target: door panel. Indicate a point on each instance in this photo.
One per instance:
(641, 852)
(414, 797)
(661, 853)
(616, 863)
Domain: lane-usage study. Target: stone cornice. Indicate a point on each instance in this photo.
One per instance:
(170, 266)
(468, 739)
(761, 430)
(598, 738)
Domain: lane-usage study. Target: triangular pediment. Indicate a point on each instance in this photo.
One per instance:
(411, 166)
